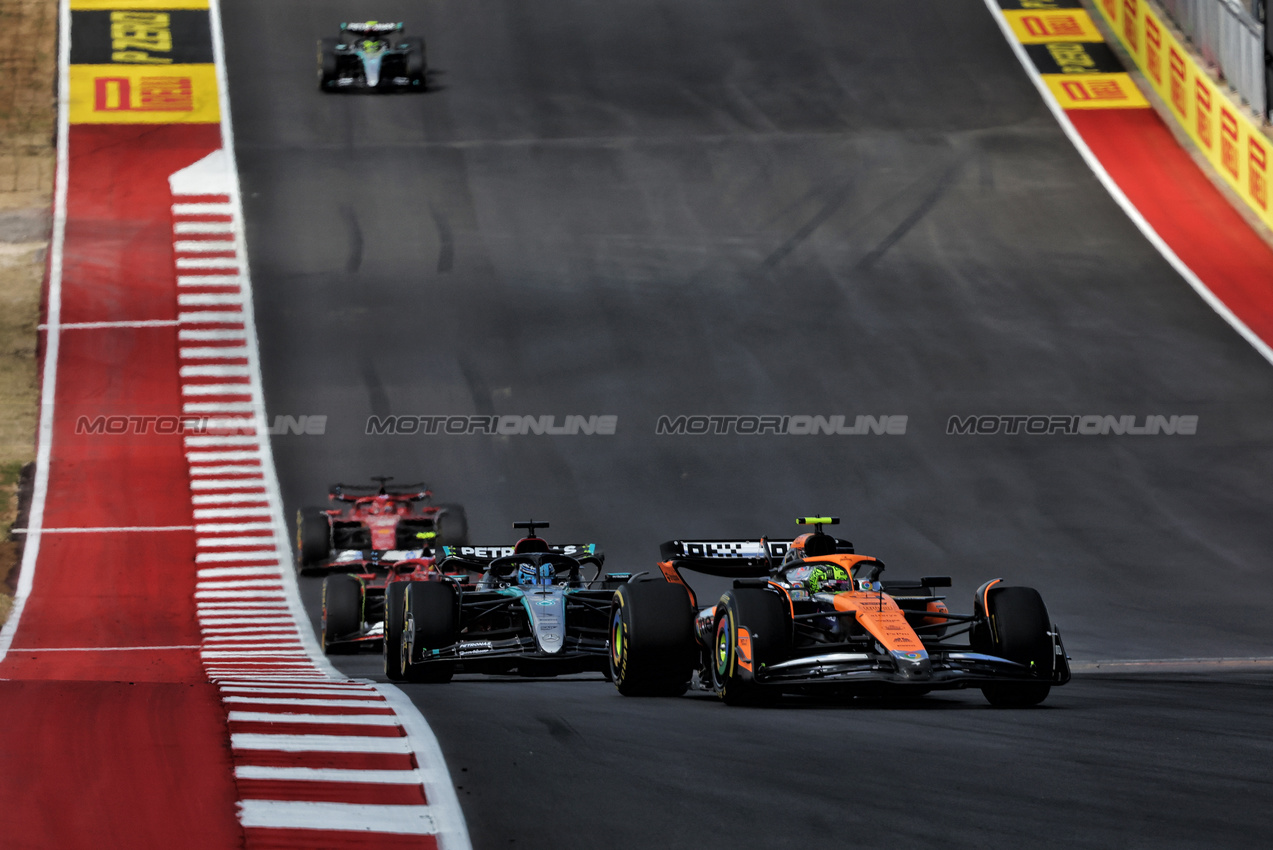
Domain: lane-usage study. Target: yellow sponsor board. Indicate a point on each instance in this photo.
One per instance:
(1226, 134)
(1038, 26)
(144, 94)
(112, 5)
(1095, 91)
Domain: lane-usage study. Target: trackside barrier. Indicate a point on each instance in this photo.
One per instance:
(1228, 36)
(1226, 134)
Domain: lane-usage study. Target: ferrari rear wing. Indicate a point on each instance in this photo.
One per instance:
(354, 492)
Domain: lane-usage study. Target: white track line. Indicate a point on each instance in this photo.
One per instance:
(329, 774)
(193, 335)
(203, 209)
(319, 743)
(349, 817)
(1116, 193)
(25, 649)
(330, 719)
(439, 788)
(300, 701)
(125, 529)
(94, 326)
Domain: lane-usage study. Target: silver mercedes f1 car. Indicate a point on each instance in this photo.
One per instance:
(372, 56)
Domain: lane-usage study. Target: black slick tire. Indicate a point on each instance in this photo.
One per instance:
(1018, 630)
(452, 526)
(395, 601)
(652, 644)
(342, 611)
(429, 622)
(328, 63)
(313, 537)
(763, 616)
(415, 63)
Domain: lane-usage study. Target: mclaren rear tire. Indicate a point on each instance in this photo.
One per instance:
(652, 645)
(1019, 630)
(342, 611)
(395, 602)
(429, 622)
(752, 629)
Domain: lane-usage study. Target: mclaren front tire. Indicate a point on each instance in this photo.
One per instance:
(752, 629)
(1019, 629)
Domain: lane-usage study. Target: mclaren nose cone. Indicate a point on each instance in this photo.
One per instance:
(913, 666)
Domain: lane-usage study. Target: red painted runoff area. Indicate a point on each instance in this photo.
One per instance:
(113, 735)
(1190, 214)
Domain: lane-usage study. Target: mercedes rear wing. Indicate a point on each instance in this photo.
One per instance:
(479, 556)
(364, 27)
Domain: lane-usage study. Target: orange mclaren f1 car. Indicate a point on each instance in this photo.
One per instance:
(812, 616)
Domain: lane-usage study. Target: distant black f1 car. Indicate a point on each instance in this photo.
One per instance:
(530, 609)
(811, 616)
(371, 56)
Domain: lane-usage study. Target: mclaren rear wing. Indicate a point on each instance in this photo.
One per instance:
(731, 558)
(724, 558)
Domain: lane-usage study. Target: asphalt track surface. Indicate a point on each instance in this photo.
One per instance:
(843, 207)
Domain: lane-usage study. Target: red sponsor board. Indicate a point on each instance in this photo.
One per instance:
(1257, 163)
(1229, 141)
(1202, 99)
(150, 94)
(1179, 99)
(1153, 50)
(1130, 17)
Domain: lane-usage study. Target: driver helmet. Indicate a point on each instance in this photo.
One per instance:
(827, 572)
(530, 574)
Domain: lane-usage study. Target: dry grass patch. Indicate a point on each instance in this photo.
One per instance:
(28, 115)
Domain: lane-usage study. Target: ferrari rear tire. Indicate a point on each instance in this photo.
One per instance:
(313, 537)
(752, 629)
(652, 644)
(452, 526)
(395, 602)
(342, 610)
(429, 622)
(1019, 630)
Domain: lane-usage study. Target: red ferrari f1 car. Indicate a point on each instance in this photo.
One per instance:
(371, 521)
(811, 616)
